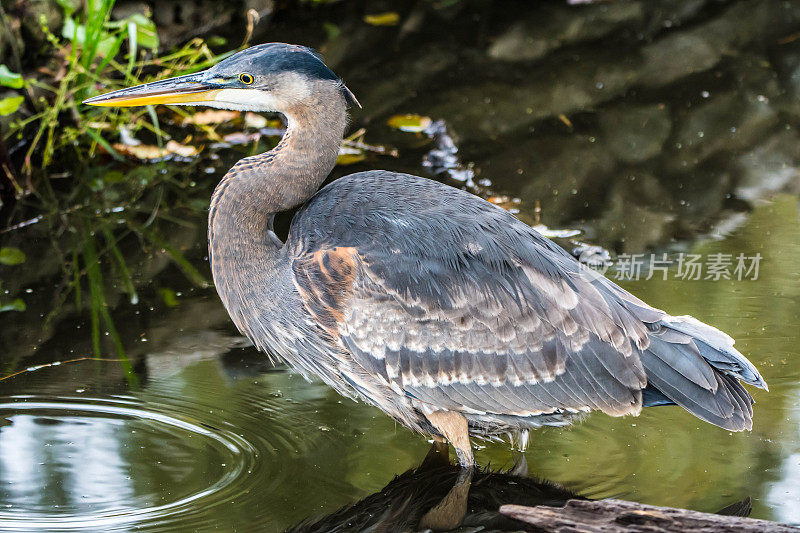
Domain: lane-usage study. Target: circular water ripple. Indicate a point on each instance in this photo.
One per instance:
(70, 463)
(218, 445)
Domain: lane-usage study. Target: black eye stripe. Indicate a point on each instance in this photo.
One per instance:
(246, 78)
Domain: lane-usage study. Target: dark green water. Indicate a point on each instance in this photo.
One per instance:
(210, 436)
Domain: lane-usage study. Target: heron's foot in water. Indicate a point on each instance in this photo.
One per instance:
(453, 426)
(465, 457)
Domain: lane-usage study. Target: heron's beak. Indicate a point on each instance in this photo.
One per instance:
(188, 89)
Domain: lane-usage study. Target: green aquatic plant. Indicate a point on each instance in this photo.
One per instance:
(10, 256)
(102, 54)
(10, 104)
(102, 210)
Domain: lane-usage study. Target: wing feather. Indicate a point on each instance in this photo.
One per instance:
(510, 347)
(455, 304)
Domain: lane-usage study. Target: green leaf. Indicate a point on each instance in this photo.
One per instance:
(11, 256)
(106, 47)
(124, 273)
(390, 18)
(349, 156)
(10, 79)
(67, 6)
(10, 104)
(216, 40)
(102, 142)
(410, 123)
(169, 296)
(73, 32)
(114, 176)
(14, 305)
(177, 257)
(115, 46)
(145, 31)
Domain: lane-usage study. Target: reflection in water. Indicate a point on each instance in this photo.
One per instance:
(441, 496)
(79, 469)
(209, 442)
(73, 463)
(788, 487)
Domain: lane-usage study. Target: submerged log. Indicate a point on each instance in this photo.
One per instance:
(611, 516)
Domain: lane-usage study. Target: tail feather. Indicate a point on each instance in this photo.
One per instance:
(717, 348)
(689, 363)
(740, 395)
(715, 408)
(696, 366)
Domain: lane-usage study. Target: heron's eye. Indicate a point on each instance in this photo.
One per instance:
(246, 78)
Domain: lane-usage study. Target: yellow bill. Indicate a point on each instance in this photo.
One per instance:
(186, 90)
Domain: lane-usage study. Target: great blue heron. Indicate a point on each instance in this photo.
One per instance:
(445, 311)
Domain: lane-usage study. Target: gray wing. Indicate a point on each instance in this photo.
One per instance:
(455, 303)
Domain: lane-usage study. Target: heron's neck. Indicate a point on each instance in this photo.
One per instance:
(242, 246)
(257, 187)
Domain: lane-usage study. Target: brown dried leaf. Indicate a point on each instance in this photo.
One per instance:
(253, 120)
(211, 116)
(241, 138)
(149, 152)
(506, 202)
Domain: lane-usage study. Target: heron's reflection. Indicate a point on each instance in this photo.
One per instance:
(441, 496)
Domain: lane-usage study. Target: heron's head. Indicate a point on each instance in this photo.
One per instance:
(267, 77)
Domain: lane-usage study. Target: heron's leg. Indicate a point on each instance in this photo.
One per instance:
(518, 446)
(454, 427)
(450, 512)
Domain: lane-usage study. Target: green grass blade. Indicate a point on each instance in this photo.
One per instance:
(177, 257)
(133, 46)
(112, 52)
(95, 290)
(104, 143)
(151, 112)
(99, 308)
(76, 279)
(119, 260)
(130, 374)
